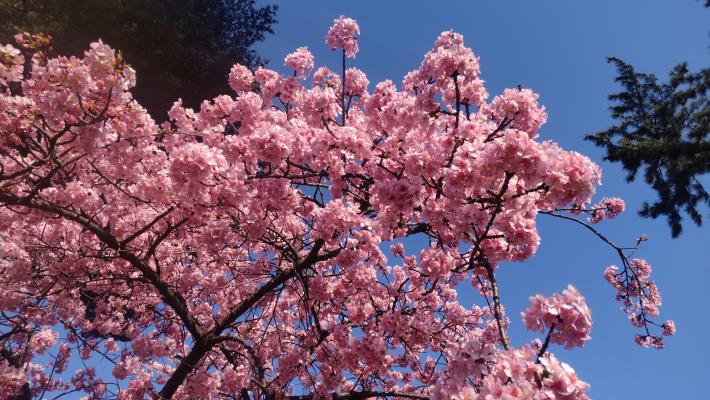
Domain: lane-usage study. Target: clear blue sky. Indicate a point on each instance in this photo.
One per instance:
(558, 48)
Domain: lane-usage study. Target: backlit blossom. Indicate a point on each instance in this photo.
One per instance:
(669, 328)
(355, 82)
(566, 313)
(240, 78)
(607, 208)
(301, 61)
(343, 34)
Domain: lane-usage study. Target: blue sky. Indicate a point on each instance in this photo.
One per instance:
(559, 48)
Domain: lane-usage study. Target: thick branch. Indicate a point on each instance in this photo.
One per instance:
(546, 344)
(496, 306)
(212, 337)
(281, 278)
(169, 296)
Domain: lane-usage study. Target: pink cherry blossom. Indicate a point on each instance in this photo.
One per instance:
(324, 77)
(301, 61)
(11, 378)
(669, 328)
(239, 248)
(640, 299)
(343, 34)
(565, 315)
(518, 109)
(240, 78)
(607, 208)
(355, 82)
(11, 61)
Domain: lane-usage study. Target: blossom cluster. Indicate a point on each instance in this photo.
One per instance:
(516, 375)
(344, 34)
(607, 208)
(301, 61)
(11, 61)
(640, 299)
(565, 315)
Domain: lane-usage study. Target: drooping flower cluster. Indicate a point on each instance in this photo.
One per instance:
(640, 299)
(236, 250)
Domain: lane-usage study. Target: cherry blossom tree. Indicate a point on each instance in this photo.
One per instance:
(254, 249)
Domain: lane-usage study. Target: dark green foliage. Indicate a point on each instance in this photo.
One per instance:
(180, 48)
(664, 128)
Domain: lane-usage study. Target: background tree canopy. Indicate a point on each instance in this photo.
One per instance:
(664, 128)
(182, 48)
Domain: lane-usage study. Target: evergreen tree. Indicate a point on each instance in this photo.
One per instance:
(183, 48)
(664, 129)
